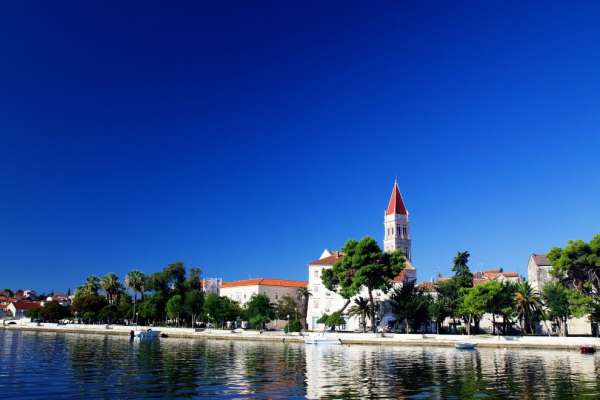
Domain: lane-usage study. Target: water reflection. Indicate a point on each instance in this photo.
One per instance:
(54, 365)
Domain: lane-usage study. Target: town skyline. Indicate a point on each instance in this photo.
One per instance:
(245, 140)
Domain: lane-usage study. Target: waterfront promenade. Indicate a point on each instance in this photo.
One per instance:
(524, 342)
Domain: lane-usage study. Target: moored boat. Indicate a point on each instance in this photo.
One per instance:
(587, 349)
(148, 334)
(321, 339)
(465, 345)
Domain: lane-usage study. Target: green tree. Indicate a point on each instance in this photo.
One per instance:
(135, 280)
(564, 303)
(259, 311)
(87, 306)
(175, 308)
(364, 265)
(293, 325)
(462, 273)
(578, 265)
(411, 305)
(220, 309)
(286, 308)
(150, 309)
(332, 320)
(473, 305)
(194, 304)
(529, 306)
(360, 309)
(91, 287)
(111, 286)
(54, 312)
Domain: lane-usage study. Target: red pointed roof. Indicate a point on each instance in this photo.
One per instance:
(396, 204)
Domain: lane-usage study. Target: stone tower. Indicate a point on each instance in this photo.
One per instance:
(397, 234)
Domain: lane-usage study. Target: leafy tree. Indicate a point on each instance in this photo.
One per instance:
(410, 305)
(109, 314)
(87, 306)
(578, 265)
(9, 292)
(332, 320)
(193, 304)
(54, 312)
(304, 294)
(135, 280)
(220, 309)
(473, 304)
(33, 313)
(360, 309)
(175, 308)
(364, 265)
(286, 308)
(259, 311)
(564, 303)
(293, 325)
(462, 273)
(150, 310)
(529, 305)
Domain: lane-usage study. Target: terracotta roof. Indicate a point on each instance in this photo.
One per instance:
(396, 204)
(265, 282)
(27, 305)
(428, 286)
(330, 260)
(540, 259)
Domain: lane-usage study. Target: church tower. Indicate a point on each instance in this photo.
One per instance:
(396, 225)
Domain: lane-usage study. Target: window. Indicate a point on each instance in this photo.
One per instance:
(316, 304)
(316, 289)
(316, 273)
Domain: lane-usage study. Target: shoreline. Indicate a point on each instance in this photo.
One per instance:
(482, 341)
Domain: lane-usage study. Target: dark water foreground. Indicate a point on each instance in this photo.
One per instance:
(64, 365)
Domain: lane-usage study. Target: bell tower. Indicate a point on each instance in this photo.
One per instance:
(396, 224)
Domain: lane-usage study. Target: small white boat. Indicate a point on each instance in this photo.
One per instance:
(465, 346)
(321, 339)
(148, 334)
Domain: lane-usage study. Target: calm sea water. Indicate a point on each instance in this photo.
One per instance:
(62, 365)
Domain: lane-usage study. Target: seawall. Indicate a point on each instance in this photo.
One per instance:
(523, 342)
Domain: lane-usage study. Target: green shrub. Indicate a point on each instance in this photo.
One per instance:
(293, 326)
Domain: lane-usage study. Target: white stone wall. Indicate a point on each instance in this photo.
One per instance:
(538, 276)
(242, 294)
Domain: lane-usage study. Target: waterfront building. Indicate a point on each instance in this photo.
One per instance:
(538, 271)
(212, 285)
(396, 237)
(242, 290)
(19, 308)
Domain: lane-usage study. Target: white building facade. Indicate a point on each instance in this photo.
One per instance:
(242, 290)
(396, 236)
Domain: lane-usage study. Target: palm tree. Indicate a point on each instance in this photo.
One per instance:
(91, 286)
(135, 281)
(360, 309)
(529, 305)
(112, 287)
(304, 294)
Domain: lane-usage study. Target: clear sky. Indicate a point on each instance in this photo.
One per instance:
(248, 138)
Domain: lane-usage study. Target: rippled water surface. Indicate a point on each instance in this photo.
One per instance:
(63, 365)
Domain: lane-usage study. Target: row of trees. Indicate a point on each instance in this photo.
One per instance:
(172, 296)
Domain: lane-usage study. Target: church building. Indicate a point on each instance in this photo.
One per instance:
(396, 236)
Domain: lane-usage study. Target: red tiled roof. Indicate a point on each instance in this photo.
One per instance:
(27, 305)
(540, 259)
(396, 204)
(265, 282)
(330, 260)
(428, 286)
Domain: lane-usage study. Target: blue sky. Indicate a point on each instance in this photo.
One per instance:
(245, 139)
